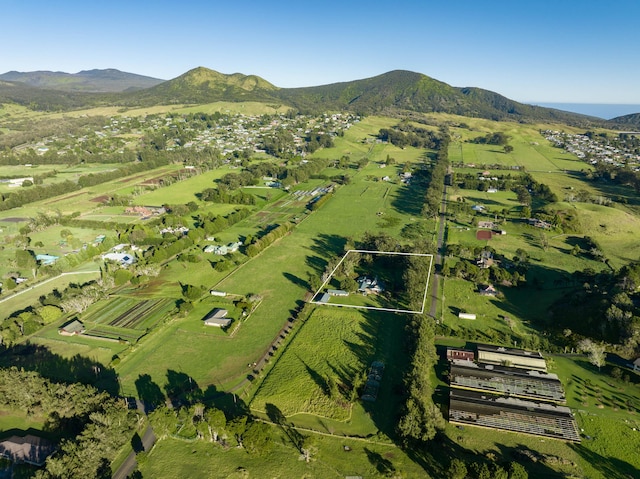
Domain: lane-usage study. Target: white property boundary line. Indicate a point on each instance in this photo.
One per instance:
(393, 253)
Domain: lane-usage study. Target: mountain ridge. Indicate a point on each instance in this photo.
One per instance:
(391, 92)
(109, 80)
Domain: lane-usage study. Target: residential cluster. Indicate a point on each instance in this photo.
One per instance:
(226, 133)
(592, 148)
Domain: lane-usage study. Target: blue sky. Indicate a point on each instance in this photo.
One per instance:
(543, 51)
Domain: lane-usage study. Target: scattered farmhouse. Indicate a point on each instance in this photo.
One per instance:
(46, 259)
(27, 449)
(324, 298)
(125, 259)
(369, 286)
(222, 249)
(337, 292)
(218, 318)
(486, 258)
(539, 223)
(17, 182)
(145, 211)
(215, 292)
(72, 328)
(488, 290)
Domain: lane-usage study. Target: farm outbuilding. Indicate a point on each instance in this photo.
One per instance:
(518, 358)
(218, 318)
(72, 328)
(460, 354)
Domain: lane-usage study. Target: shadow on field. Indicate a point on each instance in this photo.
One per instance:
(610, 467)
(277, 417)
(182, 390)
(76, 369)
(325, 246)
(149, 393)
(297, 281)
(409, 199)
(329, 245)
(381, 338)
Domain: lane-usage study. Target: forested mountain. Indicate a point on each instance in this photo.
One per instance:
(630, 120)
(202, 85)
(95, 81)
(46, 100)
(391, 92)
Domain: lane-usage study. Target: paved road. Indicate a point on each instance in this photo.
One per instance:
(129, 464)
(439, 250)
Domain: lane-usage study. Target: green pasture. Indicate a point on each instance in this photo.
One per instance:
(182, 192)
(100, 351)
(339, 344)
(279, 275)
(329, 461)
(242, 108)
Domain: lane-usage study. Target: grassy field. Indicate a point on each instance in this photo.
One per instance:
(330, 460)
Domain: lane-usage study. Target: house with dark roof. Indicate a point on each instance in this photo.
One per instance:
(27, 449)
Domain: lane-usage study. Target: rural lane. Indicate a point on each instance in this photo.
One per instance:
(439, 252)
(129, 464)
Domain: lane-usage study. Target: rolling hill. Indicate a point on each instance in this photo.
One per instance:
(94, 81)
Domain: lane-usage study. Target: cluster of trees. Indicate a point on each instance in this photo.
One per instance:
(482, 470)
(94, 426)
(219, 195)
(317, 140)
(437, 173)
(317, 203)
(206, 423)
(602, 308)
(499, 138)
(405, 134)
(260, 244)
(473, 182)
(421, 419)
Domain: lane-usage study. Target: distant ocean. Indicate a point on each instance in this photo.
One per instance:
(601, 110)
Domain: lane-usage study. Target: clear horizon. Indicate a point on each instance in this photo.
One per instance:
(545, 50)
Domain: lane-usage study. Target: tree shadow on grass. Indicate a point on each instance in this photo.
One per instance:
(149, 393)
(320, 381)
(329, 245)
(382, 465)
(610, 467)
(409, 199)
(76, 369)
(277, 417)
(182, 389)
(297, 281)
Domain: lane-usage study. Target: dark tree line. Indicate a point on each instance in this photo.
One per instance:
(94, 425)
